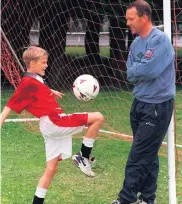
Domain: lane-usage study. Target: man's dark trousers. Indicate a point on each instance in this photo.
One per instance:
(149, 123)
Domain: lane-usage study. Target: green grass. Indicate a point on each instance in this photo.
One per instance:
(23, 158)
(105, 51)
(179, 52)
(80, 51)
(115, 106)
(23, 162)
(178, 115)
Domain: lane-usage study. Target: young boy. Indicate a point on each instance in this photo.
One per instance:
(56, 127)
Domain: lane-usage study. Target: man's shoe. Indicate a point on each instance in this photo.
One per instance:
(116, 202)
(83, 163)
(141, 202)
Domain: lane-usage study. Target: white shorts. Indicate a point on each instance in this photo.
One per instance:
(58, 139)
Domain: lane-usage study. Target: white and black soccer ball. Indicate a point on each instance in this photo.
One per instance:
(86, 87)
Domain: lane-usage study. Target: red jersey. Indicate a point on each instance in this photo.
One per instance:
(35, 97)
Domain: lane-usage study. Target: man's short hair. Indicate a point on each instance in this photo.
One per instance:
(142, 7)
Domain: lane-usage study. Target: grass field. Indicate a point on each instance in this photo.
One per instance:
(114, 105)
(105, 51)
(23, 158)
(23, 162)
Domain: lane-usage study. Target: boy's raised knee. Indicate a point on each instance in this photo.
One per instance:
(100, 116)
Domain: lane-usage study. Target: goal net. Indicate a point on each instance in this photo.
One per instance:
(84, 37)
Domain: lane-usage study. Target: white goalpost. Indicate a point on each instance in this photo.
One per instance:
(115, 95)
(170, 133)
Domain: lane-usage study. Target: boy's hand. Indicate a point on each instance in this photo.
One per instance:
(57, 93)
(6, 111)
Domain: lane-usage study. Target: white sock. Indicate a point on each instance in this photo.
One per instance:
(40, 192)
(88, 142)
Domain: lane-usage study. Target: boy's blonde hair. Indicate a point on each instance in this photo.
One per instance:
(33, 53)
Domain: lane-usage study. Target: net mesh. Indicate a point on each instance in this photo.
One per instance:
(85, 37)
(9, 65)
(177, 42)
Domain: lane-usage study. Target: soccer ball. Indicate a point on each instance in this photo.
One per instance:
(85, 87)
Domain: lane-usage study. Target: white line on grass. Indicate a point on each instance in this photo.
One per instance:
(104, 131)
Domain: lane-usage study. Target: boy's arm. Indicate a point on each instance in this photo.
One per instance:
(57, 93)
(6, 111)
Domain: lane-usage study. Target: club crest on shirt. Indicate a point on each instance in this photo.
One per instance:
(149, 54)
(140, 55)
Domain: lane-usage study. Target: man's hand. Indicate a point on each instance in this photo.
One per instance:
(57, 93)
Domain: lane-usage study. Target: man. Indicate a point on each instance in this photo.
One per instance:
(56, 127)
(150, 66)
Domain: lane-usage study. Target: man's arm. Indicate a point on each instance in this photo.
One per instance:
(6, 111)
(159, 54)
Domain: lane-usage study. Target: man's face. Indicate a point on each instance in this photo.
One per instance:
(40, 65)
(135, 22)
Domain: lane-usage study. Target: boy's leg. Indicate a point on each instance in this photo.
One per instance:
(81, 159)
(70, 124)
(44, 182)
(95, 121)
